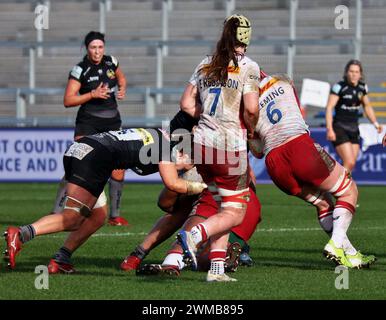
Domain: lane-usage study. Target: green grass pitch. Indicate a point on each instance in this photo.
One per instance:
(287, 250)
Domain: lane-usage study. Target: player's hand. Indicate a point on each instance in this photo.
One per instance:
(101, 92)
(121, 94)
(379, 129)
(384, 140)
(331, 136)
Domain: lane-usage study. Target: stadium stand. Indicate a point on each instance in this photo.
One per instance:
(192, 20)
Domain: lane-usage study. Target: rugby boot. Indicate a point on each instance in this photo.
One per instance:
(149, 269)
(14, 245)
(211, 277)
(131, 263)
(118, 221)
(55, 267)
(337, 255)
(186, 241)
(232, 257)
(171, 271)
(360, 260)
(245, 258)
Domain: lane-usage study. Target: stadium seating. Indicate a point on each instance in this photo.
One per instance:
(189, 20)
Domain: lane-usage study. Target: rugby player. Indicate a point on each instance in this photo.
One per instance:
(346, 97)
(302, 168)
(223, 93)
(88, 163)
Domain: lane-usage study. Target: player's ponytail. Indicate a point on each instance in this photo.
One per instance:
(217, 69)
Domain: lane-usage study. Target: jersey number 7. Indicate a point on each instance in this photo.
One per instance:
(216, 91)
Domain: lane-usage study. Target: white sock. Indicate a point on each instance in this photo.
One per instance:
(217, 266)
(60, 196)
(174, 259)
(342, 220)
(199, 233)
(348, 247)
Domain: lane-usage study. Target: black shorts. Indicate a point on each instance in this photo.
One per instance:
(89, 167)
(87, 124)
(346, 132)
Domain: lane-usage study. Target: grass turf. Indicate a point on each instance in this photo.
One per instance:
(287, 250)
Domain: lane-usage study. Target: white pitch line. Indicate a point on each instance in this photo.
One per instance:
(125, 234)
(117, 234)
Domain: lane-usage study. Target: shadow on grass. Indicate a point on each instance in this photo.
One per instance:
(105, 266)
(293, 250)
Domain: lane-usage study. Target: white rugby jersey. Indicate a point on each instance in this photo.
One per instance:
(279, 117)
(221, 124)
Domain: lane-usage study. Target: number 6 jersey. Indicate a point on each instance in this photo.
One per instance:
(221, 121)
(279, 117)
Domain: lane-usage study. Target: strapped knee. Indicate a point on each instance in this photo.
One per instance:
(77, 206)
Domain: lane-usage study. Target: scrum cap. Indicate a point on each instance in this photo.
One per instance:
(244, 30)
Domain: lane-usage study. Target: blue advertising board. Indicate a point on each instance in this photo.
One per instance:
(36, 155)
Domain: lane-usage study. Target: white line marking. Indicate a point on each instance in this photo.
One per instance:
(125, 234)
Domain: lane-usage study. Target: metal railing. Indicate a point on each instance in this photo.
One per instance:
(22, 94)
(150, 117)
(160, 45)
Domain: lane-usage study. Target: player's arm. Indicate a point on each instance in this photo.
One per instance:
(167, 199)
(251, 111)
(251, 99)
(121, 79)
(332, 101)
(72, 98)
(169, 175)
(190, 101)
(369, 112)
(384, 140)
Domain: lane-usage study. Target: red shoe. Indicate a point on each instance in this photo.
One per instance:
(130, 263)
(14, 245)
(59, 267)
(118, 221)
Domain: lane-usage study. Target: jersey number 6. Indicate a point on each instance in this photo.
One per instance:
(272, 112)
(216, 91)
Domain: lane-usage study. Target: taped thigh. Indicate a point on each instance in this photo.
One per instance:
(342, 185)
(234, 198)
(77, 206)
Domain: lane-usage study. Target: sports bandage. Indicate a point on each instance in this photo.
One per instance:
(342, 185)
(194, 187)
(315, 198)
(234, 198)
(77, 206)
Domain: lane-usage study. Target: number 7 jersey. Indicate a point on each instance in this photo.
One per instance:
(279, 113)
(221, 124)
